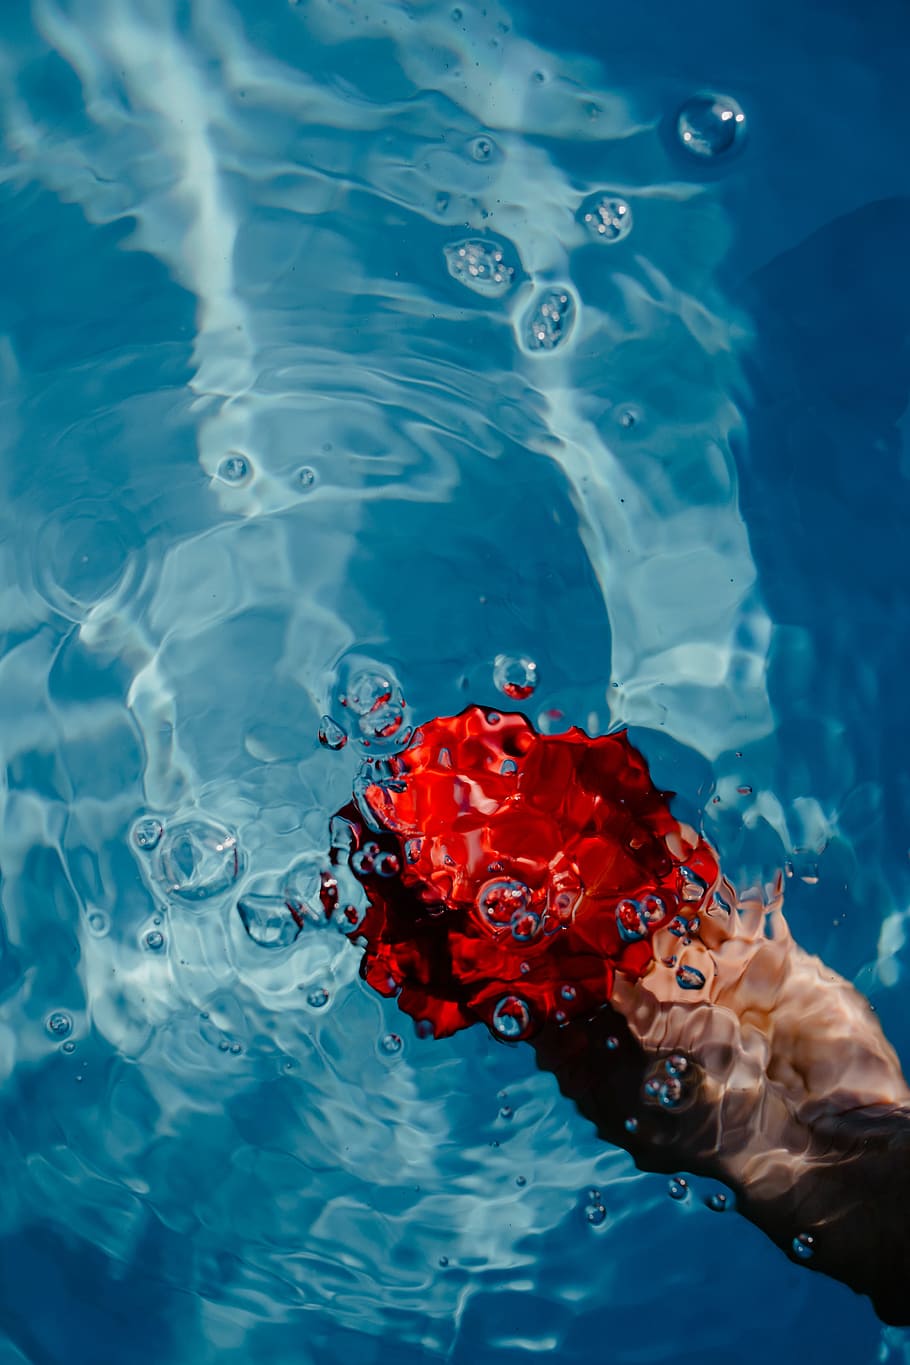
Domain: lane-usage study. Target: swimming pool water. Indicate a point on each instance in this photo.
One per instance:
(312, 364)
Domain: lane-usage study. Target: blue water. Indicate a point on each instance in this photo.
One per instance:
(256, 434)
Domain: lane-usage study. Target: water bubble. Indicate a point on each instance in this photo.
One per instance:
(99, 923)
(234, 468)
(689, 978)
(511, 1017)
(59, 1024)
(595, 1214)
(521, 1181)
(692, 887)
(652, 1087)
(306, 478)
(803, 1245)
(391, 1044)
(154, 940)
(677, 1064)
(376, 700)
(318, 998)
(482, 148)
(678, 1188)
(515, 676)
(607, 217)
(424, 1028)
(508, 767)
(612, 1043)
(503, 901)
(330, 734)
(631, 1125)
(630, 921)
(270, 921)
(235, 1049)
(506, 1111)
(147, 833)
(710, 125)
(627, 418)
(678, 926)
(412, 849)
(717, 1203)
(386, 865)
(69, 1046)
(670, 1093)
(525, 926)
(549, 320)
(480, 266)
(568, 993)
(443, 1261)
(199, 858)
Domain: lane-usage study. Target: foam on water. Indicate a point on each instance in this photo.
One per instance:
(254, 222)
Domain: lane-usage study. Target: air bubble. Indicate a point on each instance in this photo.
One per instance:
(652, 908)
(412, 849)
(482, 148)
(154, 940)
(480, 266)
(631, 1125)
(521, 1181)
(506, 1112)
(306, 478)
(147, 833)
(234, 469)
(503, 901)
(69, 1047)
(717, 1203)
(515, 676)
(330, 734)
(568, 993)
(595, 1214)
(511, 1017)
(549, 320)
(269, 920)
(607, 217)
(376, 700)
(199, 859)
(710, 125)
(525, 926)
(98, 923)
(391, 1045)
(612, 1043)
(386, 865)
(678, 1188)
(676, 1064)
(670, 1093)
(318, 998)
(803, 1245)
(630, 921)
(59, 1024)
(689, 978)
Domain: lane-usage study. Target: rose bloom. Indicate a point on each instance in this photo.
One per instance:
(527, 870)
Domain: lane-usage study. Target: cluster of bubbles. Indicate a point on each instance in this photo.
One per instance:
(515, 676)
(607, 217)
(595, 1212)
(635, 919)
(666, 1086)
(378, 711)
(481, 266)
(373, 861)
(504, 903)
(549, 320)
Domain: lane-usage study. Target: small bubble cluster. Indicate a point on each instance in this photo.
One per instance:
(481, 266)
(549, 320)
(198, 859)
(515, 676)
(607, 217)
(379, 709)
(710, 125)
(595, 1214)
(504, 903)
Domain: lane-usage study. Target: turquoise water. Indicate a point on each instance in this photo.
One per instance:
(264, 429)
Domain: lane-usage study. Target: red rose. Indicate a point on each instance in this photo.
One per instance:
(531, 868)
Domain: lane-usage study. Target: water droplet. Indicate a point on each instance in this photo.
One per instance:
(630, 921)
(69, 1046)
(717, 1203)
(481, 266)
(803, 1245)
(234, 469)
(59, 1024)
(689, 978)
(147, 833)
(678, 1188)
(710, 125)
(482, 148)
(391, 1044)
(631, 1125)
(236, 1049)
(270, 921)
(376, 700)
(677, 1064)
(318, 998)
(652, 1088)
(568, 992)
(521, 1181)
(515, 676)
(503, 901)
(607, 217)
(154, 940)
(612, 1043)
(306, 478)
(199, 858)
(692, 887)
(330, 734)
(511, 1017)
(549, 320)
(670, 1093)
(595, 1214)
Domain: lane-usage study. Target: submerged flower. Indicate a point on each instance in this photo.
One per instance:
(531, 868)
